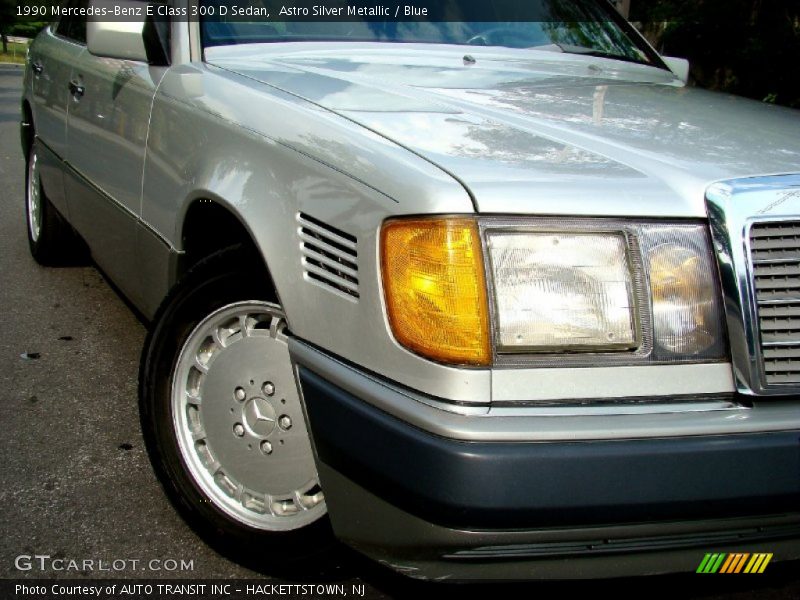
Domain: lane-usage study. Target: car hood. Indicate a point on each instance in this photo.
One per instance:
(540, 132)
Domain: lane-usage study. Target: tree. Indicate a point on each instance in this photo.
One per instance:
(737, 46)
(7, 18)
(11, 24)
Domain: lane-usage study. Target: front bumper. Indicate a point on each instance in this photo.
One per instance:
(432, 506)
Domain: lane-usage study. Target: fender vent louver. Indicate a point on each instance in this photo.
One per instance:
(329, 256)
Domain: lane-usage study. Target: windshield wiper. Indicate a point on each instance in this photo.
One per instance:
(582, 50)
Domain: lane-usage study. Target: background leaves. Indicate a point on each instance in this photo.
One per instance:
(745, 47)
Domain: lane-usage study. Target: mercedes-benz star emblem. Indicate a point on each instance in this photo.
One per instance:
(259, 417)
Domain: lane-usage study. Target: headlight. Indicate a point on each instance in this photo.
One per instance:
(687, 315)
(564, 292)
(599, 291)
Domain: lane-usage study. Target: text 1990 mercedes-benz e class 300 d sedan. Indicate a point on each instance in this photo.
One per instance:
(479, 298)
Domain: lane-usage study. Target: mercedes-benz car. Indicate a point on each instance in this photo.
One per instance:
(479, 298)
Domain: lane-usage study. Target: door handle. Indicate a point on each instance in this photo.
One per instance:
(76, 89)
(37, 67)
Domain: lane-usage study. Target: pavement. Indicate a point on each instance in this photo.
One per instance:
(75, 481)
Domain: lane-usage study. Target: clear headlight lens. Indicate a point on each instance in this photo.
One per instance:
(685, 301)
(559, 291)
(581, 286)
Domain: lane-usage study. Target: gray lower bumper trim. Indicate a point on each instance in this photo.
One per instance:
(421, 550)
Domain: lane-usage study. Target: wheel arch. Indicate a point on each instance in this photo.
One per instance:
(27, 127)
(209, 225)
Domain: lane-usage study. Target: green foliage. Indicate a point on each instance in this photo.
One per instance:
(745, 47)
(15, 53)
(27, 29)
(11, 24)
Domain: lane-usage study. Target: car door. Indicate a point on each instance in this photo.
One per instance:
(107, 126)
(51, 60)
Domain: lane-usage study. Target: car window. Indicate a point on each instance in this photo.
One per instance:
(73, 26)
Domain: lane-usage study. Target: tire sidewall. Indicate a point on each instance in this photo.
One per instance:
(228, 277)
(57, 244)
(34, 245)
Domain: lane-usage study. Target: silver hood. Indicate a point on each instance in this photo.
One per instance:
(535, 131)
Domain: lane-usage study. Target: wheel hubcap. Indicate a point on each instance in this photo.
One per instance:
(34, 199)
(239, 421)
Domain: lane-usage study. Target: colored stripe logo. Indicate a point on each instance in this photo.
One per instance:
(737, 562)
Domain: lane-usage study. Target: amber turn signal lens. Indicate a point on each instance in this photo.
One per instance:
(435, 288)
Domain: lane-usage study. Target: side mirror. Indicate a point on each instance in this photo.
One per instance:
(118, 39)
(679, 66)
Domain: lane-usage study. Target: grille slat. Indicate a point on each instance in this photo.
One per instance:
(779, 324)
(775, 243)
(777, 295)
(777, 283)
(775, 260)
(329, 256)
(778, 352)
(781, 378)
(772, 254)
(781, 366)
(785, 337)
(786, 309)
(776, 230)
(787, 268)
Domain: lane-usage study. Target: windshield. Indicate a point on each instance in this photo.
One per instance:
(589, 27)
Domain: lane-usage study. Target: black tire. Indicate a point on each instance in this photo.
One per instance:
(53, 242)
(226, 277)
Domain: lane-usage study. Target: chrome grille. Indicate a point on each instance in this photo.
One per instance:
(775, 260)
(329, 256)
